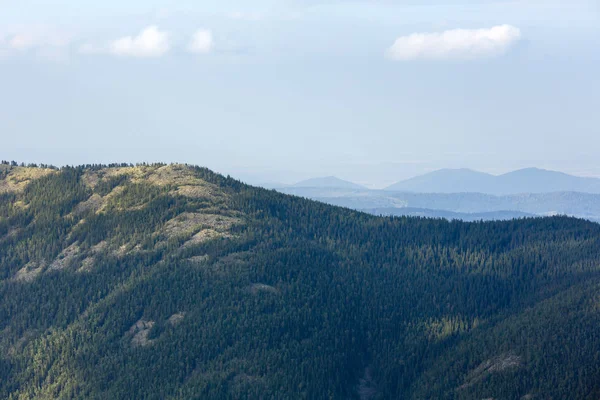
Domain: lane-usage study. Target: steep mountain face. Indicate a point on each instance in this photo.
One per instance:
(529, 180)
(172, 282)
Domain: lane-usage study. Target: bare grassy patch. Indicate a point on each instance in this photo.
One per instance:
(86, 265)
(100, 247)
(20, 204)
(199, 191)
(440, 329)
(176, 319)
(136, 173)
(139, 333)
(19, 177)
(106, 199)
(498, 364)
(258, 288)
(187, 184)
(65, 258)
(30, 271)
(94, 203)
(90, 179)
(181, 179)
(204, 236)
(188, 223)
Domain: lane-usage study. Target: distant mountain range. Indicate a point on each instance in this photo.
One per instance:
(529, 180)
(464, 194)
(328, 182)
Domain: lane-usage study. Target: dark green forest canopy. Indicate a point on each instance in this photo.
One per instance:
(173, 282)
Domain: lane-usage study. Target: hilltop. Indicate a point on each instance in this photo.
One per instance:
(173, 282)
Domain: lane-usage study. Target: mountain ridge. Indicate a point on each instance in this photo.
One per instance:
(527, 180)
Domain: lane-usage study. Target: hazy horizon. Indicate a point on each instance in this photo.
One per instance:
(279, 91)
(360, 174)
(264, 177)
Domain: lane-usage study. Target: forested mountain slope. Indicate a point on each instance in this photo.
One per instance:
(172, 282)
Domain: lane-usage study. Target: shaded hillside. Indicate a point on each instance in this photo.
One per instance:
(172, 282)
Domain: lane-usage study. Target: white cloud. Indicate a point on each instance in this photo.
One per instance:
(455, 44)
(202, 42)
(45, 42)
(33, 37)
(151, 42)
(22, 41)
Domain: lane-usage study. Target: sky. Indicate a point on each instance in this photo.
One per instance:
(278, 91)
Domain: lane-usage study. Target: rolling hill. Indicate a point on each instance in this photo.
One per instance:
(173, 282)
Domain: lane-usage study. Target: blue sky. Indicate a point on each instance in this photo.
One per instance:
(372, 91)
